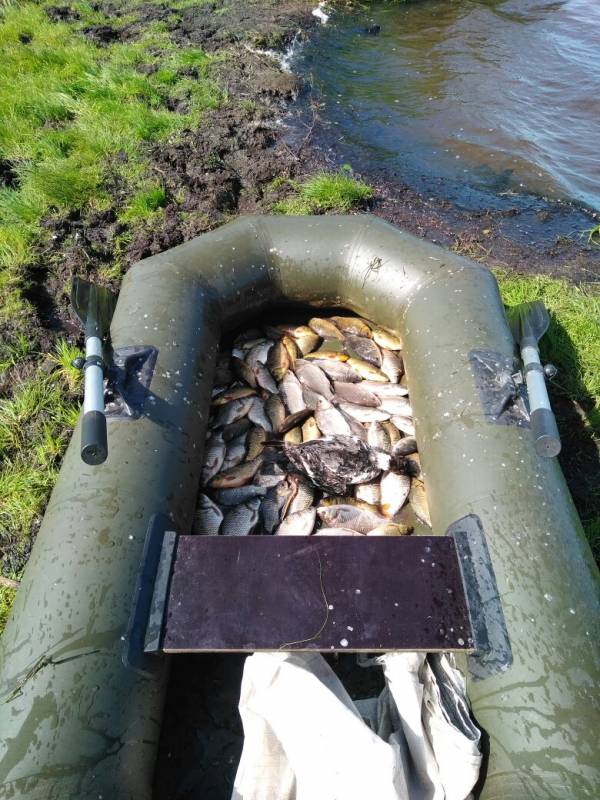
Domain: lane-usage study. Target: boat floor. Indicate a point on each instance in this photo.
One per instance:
(202, 736)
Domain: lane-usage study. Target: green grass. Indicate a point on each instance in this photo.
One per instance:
(70, 112)
(326, 192)
(572, 343)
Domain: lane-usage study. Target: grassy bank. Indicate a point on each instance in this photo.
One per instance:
(86, 99)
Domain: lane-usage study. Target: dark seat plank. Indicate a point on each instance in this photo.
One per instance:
(315, 593)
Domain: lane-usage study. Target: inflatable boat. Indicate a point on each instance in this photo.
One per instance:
(80, 715)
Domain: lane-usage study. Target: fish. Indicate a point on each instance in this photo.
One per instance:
(349, 517)
(325, 328)
(235, 452)
(207, 518)
(292, 350)
(378, 436)
(311, 399)
(404, 447)
(259, 353)
(418, 501)
(397, 406)
(275, 411)
(293, 436)
(256, 414)
(394, 492)
(265, 379)
(306, 339)
(269, 511)
(333, 463)
(235, 393)
(385, 389)
(355, 393)
(332, 349)
(314, 378)
(366, 370)
(330, 420)
(404, 424)
(268, 480)
(214, 456)
(413, 465)
(291, 389)
(310, 430)
(354, 326)
(364, 413)
(337, 532)
(278, 361)
(365, 349)
(301, 523)
(256, 442)
(232, 411)
(392, 431)
(239, 475)
(391, 529)
(392, 365)
(337, 370)
(385, 338)
(239, 494)
(369, 492)
(241, 520)
(242, 371)
(293, 420)
(349, 500)
(236, 429)
(303, 496)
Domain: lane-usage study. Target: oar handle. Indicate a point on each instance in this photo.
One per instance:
(543, 423)
(94, 442)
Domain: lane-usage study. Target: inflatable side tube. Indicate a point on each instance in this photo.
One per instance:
(77, 723)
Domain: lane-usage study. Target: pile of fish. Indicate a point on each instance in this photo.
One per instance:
(311, 432)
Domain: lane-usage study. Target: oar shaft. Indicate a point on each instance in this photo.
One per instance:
(94, 445)
(543, 423)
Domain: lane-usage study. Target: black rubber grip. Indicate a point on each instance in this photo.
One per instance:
(94, 445)
(545, 433)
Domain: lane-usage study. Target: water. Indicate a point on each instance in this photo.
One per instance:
(474, 96)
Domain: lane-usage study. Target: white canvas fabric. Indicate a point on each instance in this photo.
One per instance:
(305, 739)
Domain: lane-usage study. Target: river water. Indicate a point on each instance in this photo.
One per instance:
(477, 97)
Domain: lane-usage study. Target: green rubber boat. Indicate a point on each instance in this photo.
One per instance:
(79, 719)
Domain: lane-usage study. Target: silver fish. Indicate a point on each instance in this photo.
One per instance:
(397, 406)
(369, 492)
(264, 479)
(392, 365)
(233, 411)
(418, 501)
(270, 511)
(311, 398)
(343, 516)
(337, 370)
(394, 492)
(314, 378)
(291, 389)
(364, 413)
(355, 393)
(330, 420)
(208, 517)
(233, 497)
(235, 452)
(404, 424)
(379, 437)
(337, 532)
(385, 389)
(360, 347)
(259, 353)
(241, 520)
(264, 378)
(256, 413)
(214, 456)
(299, 524)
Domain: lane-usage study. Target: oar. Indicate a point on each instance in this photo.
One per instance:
(94, 306)
(529, 322)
